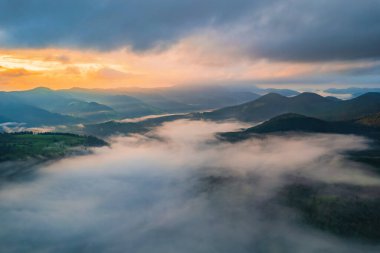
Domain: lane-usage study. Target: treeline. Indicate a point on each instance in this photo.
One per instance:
(44, 133)
(23, 145)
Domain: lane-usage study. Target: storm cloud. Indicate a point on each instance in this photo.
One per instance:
(156, 193)
(287, 30)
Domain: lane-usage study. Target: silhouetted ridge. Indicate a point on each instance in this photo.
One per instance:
(292, 122)
(288, 116)
(308, 104)
(368, 95)
(309, 97)
(270, 97)
(40, 89)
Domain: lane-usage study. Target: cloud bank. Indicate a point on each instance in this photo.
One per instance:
(290, 30)
(157, 193)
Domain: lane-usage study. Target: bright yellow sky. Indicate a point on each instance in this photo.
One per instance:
(183, 63)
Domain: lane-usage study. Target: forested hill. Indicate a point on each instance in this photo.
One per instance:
(43, 146)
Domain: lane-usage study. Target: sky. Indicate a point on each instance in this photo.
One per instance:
(159, 43)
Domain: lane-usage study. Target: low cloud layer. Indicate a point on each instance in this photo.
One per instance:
(157, 193)
(14, 127)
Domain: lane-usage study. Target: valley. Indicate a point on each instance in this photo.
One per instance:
(340, 205)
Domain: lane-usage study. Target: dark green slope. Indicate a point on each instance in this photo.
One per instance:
(372, 120)
(309, 104)
(346, 210)
(299, 123)
(22, 153)
(21, 146)
(368, 103)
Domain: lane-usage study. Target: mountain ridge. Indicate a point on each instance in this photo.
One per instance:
(292, 122)
(308, 104)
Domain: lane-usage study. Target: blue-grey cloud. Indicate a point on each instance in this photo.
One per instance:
(108, 24)
(372, 70)
(292, 30)
(321, 30)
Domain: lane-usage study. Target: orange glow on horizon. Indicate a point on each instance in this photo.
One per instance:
(66, 68)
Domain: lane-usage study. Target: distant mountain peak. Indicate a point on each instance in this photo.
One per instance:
(271, 96)
(309, 94)
(40, 90)
(310, 97)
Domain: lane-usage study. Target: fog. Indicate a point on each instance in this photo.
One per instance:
(14, 127)
(140, 119)
(178, 189)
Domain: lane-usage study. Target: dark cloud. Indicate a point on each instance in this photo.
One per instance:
(320, 30)
(108, 24)
(292, 30)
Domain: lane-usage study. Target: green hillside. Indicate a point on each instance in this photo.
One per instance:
(344, 210)
(291, 122)
(21, 146)
(372, 120)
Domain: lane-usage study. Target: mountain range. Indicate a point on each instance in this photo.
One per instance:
(43, 106)
(307, 110)
(100, 111)
(308, 104)
(13, 109)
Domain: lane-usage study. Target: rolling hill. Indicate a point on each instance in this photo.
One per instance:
(292, 122)
(24, 145)
(135, 102)
(12, 109)
(308, 104)
(54, 101)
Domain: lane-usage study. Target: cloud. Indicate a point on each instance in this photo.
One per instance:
(108, 24)
(15, 72)
(369, 70)
(110, 73)
(321, 30)
(64, 59)
(139, 119)
(288, 30)
(149, 194)
(14, 127)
